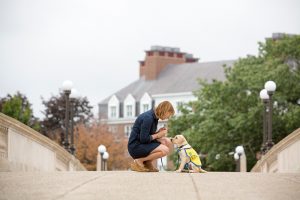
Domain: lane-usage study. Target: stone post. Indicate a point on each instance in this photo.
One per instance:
(99, 162)
(243, 163)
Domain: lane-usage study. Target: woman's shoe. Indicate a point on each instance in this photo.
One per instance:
(136, 167)
(150, 167)
(153, 169)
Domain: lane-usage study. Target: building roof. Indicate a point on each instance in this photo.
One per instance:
(175, 79)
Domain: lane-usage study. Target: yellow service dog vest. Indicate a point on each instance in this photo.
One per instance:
(194, 157)
(192, 154)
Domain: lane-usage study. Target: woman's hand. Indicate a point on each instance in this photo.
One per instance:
(162, 128)
(162, 133)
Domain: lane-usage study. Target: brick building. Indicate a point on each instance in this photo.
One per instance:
(166, 73)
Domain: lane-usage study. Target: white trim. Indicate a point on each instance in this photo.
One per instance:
(118, 121)
(145, 100)
(126, 121)
(172, 94)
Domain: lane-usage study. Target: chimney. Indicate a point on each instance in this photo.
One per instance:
(158, 57)
(142, 68)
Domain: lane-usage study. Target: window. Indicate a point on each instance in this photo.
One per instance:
(145, 107)
(112, 129)
(129, 110)
(113, 111)
(178, 105)
(127, 130)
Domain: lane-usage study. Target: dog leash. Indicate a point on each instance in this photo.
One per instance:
(162, 164)
(177, 163)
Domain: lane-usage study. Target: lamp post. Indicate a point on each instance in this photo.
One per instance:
(236, 158)
(101, 150)
(67, 86)
(105, 158)
(239, 151)
(265, 99)
(73, 96)
(270, 86)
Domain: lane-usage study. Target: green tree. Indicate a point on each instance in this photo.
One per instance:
(18, 107)
(227, 114)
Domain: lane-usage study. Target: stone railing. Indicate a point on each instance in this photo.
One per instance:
(283, 157)
(24, 149)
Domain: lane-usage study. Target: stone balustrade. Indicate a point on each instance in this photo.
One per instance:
(282, 157)
(24, 149)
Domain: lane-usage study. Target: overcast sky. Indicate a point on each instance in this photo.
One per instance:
(97, 44)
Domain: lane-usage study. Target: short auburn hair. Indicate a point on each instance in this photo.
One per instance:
(163, 108)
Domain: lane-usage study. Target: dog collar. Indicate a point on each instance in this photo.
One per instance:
(181, 146)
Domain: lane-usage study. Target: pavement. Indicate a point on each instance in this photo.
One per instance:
(155, 186)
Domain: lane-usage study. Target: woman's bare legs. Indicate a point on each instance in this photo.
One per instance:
(158, 152)
(167, 142)
(164, 141)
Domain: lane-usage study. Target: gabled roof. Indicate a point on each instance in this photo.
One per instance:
(175, 79)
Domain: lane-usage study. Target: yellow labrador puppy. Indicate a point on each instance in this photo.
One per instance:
(189, 159)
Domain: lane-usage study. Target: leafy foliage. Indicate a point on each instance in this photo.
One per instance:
(227, 114)
(53, 124)
(88, 140)
(18, 107)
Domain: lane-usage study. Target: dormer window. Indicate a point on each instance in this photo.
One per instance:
(129, 106)
(113, 107)
(129, 110)
(145, 103)
(145, 107)
(113, 112)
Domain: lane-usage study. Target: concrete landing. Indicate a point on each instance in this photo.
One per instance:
(155, 186)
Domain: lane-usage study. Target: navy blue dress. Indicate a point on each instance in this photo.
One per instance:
(140, 143)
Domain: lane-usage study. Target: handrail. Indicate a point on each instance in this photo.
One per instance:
(271, 157)
(10, 125)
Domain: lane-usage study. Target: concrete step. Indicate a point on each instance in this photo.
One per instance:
(158, 186)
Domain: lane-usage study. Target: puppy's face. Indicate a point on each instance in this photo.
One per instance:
(179, 140)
